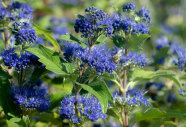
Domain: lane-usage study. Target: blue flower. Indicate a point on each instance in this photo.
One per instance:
(180, 52)
(72, 51)
(181, 91)
(133, 97)
(108, 29)
(137, 23)
(100, 57)
(145, 15)
(21, 10)
(129, 7)
(88, 107)
(127, 25)
(57, 27)
(95, 13)
(92, 23)
(116, 23)
(3, 12)
(161, 42)
(71, 2)
(16, 11)
(31, 96)
(6, 14)
(22, 62)
(17, 26)
(26, 36)
(140, 29)
(23, 33)
(39, 40)
(133, 58)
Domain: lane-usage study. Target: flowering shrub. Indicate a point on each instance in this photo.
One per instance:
(88, 71)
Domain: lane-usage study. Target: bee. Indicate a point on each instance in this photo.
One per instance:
(117, 56)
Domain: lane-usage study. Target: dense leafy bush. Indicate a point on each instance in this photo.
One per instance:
(116, 68)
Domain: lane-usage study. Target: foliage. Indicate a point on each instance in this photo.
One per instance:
(100, 67)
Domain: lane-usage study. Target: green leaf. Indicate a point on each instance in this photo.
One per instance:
(169, 75)
(47, 35)
(15, 120)
(38, 71)
(119, 41)
(103, 26)
(81, 17)
(176, 114)
(4, 73)
(47, 117)
(56, 98)
(101, 39)
(11, 124)
(6, 100)
(140, 74)
(71, 38)
(9, 114)
(150, 113)
(162, 53)
(110, 112)
(50, 58)
(68, 67)
(99, 89)
(168, 123)
(153, 113)
(136, 42)
(26, 119)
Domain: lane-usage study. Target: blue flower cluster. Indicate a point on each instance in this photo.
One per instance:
(180, 52)
(94, 23)
(108, 29)
(133, 58)
(39, 40)
(145, 15)
(5, 14)
(15, 11)
(136, 23)
(21, 10)
(11, 59)
(161, 42)
(95, 13)
(182, 92)
(129, 7)
(88, 107)
(72, 51)
(31, 96)
(100, 57)
(133, 97)
(72, 2)
(58, 27)
(23, 33)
